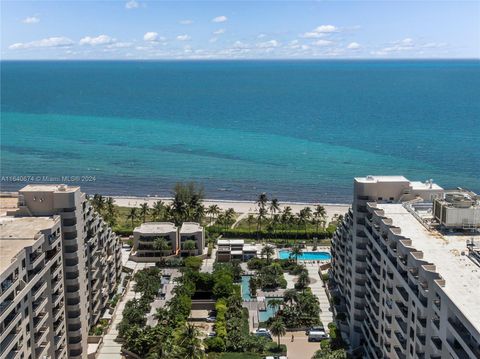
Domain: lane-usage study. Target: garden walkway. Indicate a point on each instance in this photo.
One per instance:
(318, 290)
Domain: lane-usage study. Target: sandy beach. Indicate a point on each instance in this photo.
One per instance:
(241, 207)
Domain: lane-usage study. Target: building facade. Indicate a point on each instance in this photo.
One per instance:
(154, 240)
(91, 256)
(195, 233)
(32, 298)
(408, 289)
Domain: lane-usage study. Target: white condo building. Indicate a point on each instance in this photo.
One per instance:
(80, 275)
(409, 278)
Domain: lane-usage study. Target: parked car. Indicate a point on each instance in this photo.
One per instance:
(211, 319)
(212, 334)
(262, 332)
(318, 328)
(317, 335)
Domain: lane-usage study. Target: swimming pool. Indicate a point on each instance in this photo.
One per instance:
(306, 256)
(246, 287)
(264, 315)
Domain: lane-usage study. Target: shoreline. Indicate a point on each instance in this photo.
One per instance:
(240, 206)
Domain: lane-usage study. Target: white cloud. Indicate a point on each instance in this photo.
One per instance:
(240, 45)
(325, 29)
(353, 46)
(268, 44)
(120, 45)
(185, 22)
(31, 20)
(132, 4)
(321, 31)
(151, 36)
(184, 37)
(323, 43)
(58, 41)
(99, 40)
(220, 19)
(213, 39)
(219, 32)
(261, 36)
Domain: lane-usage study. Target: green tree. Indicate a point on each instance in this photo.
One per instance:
(296, 252)
(304, 217)
(158, 211)
(275, 304)
(303, 280)
(250, 222)
(262, 200)
(267, 251)
(278, 329)
(262, 215)
(274, 206)
(189, 246)
(110, 211)
(187, 342)
(319, 215)
(161, 244)
(213, 211)
(133, 216)
(144, 211)
(330, 354)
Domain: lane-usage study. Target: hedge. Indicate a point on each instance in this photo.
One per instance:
(280, 234)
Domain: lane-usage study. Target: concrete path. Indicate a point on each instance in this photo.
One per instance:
(300, 348)
(318, 290)
(111, 349)
(207, 265)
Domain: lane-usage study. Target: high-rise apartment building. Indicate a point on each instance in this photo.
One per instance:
(90, 256)
(410, 284)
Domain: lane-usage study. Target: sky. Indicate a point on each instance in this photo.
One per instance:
(137, 29)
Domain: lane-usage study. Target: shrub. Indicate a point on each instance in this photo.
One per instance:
(274, 348)
(193, 262)
(215, 344)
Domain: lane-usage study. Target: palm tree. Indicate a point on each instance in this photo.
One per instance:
(188, 342)
(296, 252)
(262, 200)
(213, 211)
(278, 329)
(250, 221)
(268, 252)
(303, 280)
(144, 211)
(110, 211)
(319, 215)
(275, 304)
(274, 206)
(262, 214)
(286, 216)
(133, 215)
(98, 202)
(158, 210)
(161, 244)
(230, 216)
(274, 222)
(189, 245)
(303, 218)
(290, 296)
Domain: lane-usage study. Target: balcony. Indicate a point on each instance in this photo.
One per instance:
(38, 305)
(401, 340)
(437, 342)
(464, 335)
(402, 324)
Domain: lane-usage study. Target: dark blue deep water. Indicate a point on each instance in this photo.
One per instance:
(300, 130)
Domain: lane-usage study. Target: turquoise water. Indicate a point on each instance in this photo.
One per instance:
(246, 287)
(300, 130)
(306, 256)
(264, 315)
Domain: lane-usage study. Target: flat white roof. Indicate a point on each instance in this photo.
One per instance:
(156, 228)
(16, 233)
(417, 185)
(462, 276)
(372, 179)
(226, 242)
(190, 227)
(49, 188)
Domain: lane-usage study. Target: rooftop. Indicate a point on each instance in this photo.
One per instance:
(461, 275)
(17, 233)
(156, 227)
(49, 188)
(372, 179)
(227, 242)
(190, 227)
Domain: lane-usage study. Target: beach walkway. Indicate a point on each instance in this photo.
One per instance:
(318, 290)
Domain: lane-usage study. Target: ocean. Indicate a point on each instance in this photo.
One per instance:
(298, 130)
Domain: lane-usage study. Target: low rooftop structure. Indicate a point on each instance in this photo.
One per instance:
(229, 249)
(156, 228)
(145, 241)
(457, 209)
(191, 231)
